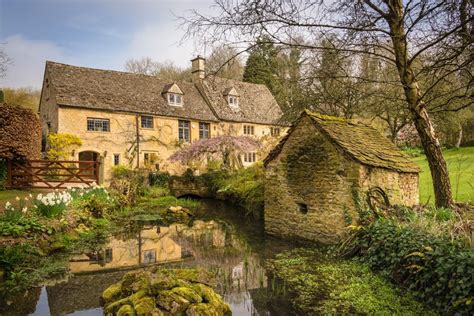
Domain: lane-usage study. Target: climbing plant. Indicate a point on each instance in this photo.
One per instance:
(61, 145)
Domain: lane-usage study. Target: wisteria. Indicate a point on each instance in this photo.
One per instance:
(220, 147)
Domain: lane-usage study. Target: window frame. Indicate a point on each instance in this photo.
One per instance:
(170, 95)
(235, 101)
(249, 129)
(145, 119)
(275, 131)
(116, 159)
(96, 120)
(202, 130)
(250, 157)
(183, 129)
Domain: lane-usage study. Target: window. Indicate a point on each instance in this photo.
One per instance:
(233, 100)
(149, 256)
(275, 131)
(204, 130)
(147, 121)
(116, 159)
(175, 99)
(184, 133)
(250, 157)
(248, 130)
(98, 125)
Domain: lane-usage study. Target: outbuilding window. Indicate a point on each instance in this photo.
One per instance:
(98, 124)
(275, 131)
(116, 159)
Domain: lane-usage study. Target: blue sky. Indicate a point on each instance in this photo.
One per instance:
(92, 33)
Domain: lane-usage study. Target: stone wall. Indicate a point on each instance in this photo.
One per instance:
(309, 188)
(401, 188)
(161, 140)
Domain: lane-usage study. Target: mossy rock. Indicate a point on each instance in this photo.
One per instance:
(135, 281)
(112, 292)
(202, 309)
(136, 297)
(113, 307)
(145, 306)
(211, 297)
(162, 282)
(172, 302)
(188, 293)
(195, 275)
(126, 310)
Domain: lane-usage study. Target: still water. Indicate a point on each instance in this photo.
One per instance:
(218, 239)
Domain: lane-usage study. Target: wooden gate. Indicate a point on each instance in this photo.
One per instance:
(51, 174)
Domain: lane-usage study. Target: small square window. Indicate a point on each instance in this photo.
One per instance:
(149, 256)
(275, 131)
(233, 101)
(116, 159)
(147, 121)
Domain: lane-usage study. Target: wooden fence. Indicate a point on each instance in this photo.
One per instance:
(51, 174)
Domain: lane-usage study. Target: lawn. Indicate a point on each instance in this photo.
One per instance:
(461, 171)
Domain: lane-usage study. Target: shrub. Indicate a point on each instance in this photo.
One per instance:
(159, 178)
(3, 174)
(20, 133)
(439, 271)
(61, 145)
(16, 223)
(96, 201)
(52, 204)
(128, 184)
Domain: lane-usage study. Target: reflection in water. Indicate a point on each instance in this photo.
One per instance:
(235, 249)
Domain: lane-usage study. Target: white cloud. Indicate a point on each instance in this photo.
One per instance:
(28, 60)
(161, 43)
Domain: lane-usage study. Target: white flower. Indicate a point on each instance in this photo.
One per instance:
(39, 197)
(8, 204)
(73, 189)
(17, 198)
(24, 209)
(30, 195)
(26, 199)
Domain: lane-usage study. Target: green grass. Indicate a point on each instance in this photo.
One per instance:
(461, 172)
(10, 195)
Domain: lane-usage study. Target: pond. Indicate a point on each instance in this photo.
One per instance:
(218, 239)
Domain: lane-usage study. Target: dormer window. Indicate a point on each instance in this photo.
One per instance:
(175, 99)
(233, 100)
(173, 94)
(232, 97)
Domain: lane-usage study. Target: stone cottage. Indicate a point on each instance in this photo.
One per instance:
(139, 120)
(322, 169)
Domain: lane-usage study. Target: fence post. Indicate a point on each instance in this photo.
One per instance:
(9, 174)
(97, 170)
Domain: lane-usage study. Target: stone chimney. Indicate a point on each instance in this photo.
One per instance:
(198, 65)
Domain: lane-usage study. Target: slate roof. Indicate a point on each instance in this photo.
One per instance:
(359, 141)
(256, 102)
(122, 91)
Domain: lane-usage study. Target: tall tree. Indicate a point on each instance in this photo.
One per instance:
(4, 62)
(166, 70)
(399, 32)
(225, 62)
(25, 97)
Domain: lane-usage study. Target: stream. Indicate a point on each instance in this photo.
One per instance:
(218, 239)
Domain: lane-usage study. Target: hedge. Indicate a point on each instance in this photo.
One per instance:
(438, 271)
(20, 133)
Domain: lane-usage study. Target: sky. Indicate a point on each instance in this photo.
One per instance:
(91, 33)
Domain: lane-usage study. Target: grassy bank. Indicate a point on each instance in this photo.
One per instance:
(461, 172)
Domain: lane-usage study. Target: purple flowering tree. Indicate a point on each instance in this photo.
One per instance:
(225, 148)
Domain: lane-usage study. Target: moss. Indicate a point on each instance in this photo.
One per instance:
(188, 293)
(162, 282)
(172, 302)
(112, 292)
(211, 297)
(194, 275)
(202, 309)
(145, 306)
(126, 310)
(136, 297)
(115, 306)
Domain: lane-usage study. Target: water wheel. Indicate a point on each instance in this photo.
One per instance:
(377, 199)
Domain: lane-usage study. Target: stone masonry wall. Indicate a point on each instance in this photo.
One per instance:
(401, 188)
(310, 173)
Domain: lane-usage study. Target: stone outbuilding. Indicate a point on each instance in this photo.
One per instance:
(320, 173)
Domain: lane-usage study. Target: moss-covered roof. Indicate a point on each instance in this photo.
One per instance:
(359, 141)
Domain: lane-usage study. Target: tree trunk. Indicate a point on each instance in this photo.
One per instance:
(421, 119)
(459, 140)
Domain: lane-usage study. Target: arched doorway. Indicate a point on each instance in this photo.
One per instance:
(89, 169)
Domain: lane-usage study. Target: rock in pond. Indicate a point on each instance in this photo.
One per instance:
(165, 292)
